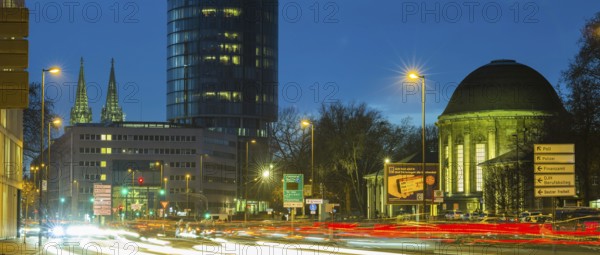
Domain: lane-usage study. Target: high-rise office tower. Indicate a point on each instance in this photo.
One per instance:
(222, 64)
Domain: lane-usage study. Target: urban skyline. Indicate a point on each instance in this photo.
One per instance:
(310, 43)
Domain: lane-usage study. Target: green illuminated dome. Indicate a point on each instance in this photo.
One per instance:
(504, 85)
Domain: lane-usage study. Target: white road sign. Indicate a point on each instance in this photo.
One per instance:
(554, 180)
(292, 204)
(555, 192)
(554, 168)
(316, 201)
(554, 158)
(554, 148)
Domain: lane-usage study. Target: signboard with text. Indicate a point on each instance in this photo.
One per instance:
(404, 182)
(102, 199)
(554, 170)
(293, 195)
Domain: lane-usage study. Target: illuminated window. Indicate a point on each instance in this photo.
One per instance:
(237, 96)
(230, 48)
(103, 177)
(231, 12)
(479, 158)
(235, 60)
(231, 35)
(106, 150)
(210, 95)
(106, 137)
(102, 163)
(209, 58)
(224, 59)
(209, 12)
(460, 182)
(225, 96)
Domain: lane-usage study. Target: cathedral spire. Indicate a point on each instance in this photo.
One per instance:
(81, 112)
(112, 112)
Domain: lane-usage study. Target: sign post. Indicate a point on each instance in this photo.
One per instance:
(554, 171)
(293, 195)
(102, 199)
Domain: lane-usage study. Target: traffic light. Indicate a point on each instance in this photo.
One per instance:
(124, 191)
(207, 215)
(141, 180)
(92, 200)
(120, 209)
(62, 199)
(162, 191)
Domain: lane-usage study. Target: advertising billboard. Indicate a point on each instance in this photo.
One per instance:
(404, 182)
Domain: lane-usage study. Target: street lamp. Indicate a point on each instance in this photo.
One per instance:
(56, 122)
(386, 161)
(306, 123)
(77, 194)
(246, 183)
(187, 191)
(415, 76)
(161, 172)
(202, 173)
(52, 70)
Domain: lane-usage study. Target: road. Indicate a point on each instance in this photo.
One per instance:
(277, 238)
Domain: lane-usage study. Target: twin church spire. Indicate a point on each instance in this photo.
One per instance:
(111, 112)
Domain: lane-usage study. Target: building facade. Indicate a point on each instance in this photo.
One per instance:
(222, 64)
(499, 108)
(195, 167)
(14, 93)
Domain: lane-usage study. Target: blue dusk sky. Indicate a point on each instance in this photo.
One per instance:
(329, 51)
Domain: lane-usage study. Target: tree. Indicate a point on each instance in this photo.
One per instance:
(353, 140)
(31, 122)
(583, 102)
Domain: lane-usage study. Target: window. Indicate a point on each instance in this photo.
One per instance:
(479, 158)
(448, 171)
(102, 163)
(460, 171)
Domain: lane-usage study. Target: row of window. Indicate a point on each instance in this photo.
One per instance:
(181, 177)
(180, 190)
(182, 164)
(92, 163)
(157, 151)
(211, 179)
(111, 137)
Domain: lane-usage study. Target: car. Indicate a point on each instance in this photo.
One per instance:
(527, 216)
(453, 215)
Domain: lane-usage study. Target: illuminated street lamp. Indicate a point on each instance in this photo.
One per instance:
(414, 76)
(386, 161)
(52, 70)
(187, 191)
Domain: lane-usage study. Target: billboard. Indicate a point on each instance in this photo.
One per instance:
(404, 182)
(293, 195)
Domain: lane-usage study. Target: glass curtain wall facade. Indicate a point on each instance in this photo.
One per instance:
(222, 64)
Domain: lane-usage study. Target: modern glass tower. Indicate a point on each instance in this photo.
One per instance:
(222, 64)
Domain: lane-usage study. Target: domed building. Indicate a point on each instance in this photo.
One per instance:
(496, 108)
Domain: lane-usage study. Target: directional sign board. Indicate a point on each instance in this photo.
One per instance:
(554, 170)
(554, 158)
(554, 180)
(555, 192)
(293, 190)
(554, 148)
(102, 199)
(316, 201)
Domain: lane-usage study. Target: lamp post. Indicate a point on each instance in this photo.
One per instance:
(52, 70)
(202, 173)
(306, 123)
(422, 77)
(56, 123)
(76, 192)
(187, 191)
(161, 172)
(386, 161)
(246, 183)
(132, 189)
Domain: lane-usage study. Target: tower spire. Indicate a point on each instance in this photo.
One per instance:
(112, 112)
(81, 112)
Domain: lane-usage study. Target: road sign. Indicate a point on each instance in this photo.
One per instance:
(102, 199)
(164, 204)
(554, 148)
(554, 158)
(136, 207)
(307, 190)
(312, 207)
(292, 204)
(438, 196)
(554, 168)
(555, 192)
(554, 180)
(317, 201)
(293, 185)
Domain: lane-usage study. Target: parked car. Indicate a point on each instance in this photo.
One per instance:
(526, 216)
(453, 215)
